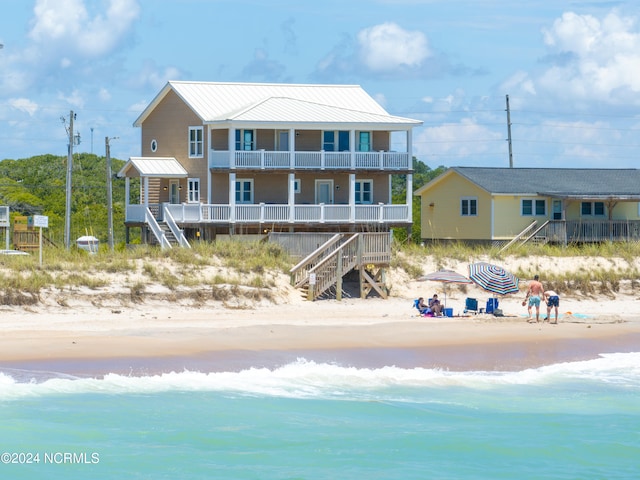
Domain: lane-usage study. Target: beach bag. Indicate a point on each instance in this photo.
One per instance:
(498, 312)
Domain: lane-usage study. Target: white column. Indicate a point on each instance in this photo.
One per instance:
(146, 192)
(232, 147)
(410, 147)
(352, 147)
(292, 147)
(292, 197)
(232, 197)
(409, 196)
(352, 197)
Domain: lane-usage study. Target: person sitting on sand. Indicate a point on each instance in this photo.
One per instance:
(534, 295)
(422, 307)
(435, 305)
(553, 300)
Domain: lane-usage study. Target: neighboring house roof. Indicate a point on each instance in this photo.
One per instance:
(154, 167)
(294, 103)
(585, 183)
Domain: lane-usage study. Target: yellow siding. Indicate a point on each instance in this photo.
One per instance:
(444, 221)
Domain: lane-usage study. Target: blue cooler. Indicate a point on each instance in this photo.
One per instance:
(448, 312)
(492, 304)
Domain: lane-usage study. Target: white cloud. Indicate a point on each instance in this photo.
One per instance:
(387, 47)
(68, 23)
(593, 61)
(24, 105)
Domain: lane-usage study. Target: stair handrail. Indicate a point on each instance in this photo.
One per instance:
(300, 272)
(155, 228)
(535, 233)
(342, 260)
(519, 236)
(173, 226)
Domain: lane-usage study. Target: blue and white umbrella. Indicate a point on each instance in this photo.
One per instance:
(493, 278)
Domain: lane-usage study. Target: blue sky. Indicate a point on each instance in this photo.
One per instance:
(571, 69)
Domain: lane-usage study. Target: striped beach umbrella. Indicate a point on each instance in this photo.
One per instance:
(445, 276)
(493, 278)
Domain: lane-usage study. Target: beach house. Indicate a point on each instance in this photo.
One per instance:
(240, 158)
(502, 206)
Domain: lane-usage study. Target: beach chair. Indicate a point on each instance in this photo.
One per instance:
(471, 305)
(492, 305)
(421, 311)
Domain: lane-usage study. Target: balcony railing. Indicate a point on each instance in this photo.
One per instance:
(263, 159)
(576, 231)
(277, 213)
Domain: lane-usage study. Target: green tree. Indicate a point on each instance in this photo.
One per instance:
(422, 174)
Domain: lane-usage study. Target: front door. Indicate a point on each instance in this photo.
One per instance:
(174, 191)
(557, 210)
(324, 191)
(283, 141)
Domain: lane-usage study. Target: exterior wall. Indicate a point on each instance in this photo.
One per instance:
(443, 220)
(621, 211)
(508, 218)
(272, 187)
(381, 141)
(169, 125)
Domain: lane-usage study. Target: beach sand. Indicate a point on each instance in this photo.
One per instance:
(80, 336)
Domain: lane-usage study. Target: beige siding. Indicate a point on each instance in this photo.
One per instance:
(444, 221)
(169, 125)
(381, 141)
(273, 187)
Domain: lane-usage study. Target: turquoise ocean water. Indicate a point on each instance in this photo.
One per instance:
(307, 420)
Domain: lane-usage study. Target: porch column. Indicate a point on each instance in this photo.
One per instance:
(232, 148)
(146, 192)
(352, 147)
(292, 197)
(232, 197)
(292, 147)
(410, 148)
(127, 187)
(209, 175)
(409, 199)
(352, 197)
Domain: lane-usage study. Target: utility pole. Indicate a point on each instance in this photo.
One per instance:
(509, 134)
(109, 192)
(67, 217)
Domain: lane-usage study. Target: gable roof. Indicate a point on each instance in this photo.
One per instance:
(154, 167)
(217, 102)
(585, 183)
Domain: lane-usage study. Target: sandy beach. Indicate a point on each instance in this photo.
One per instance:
(100, 331)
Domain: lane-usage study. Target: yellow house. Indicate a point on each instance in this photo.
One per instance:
(561, 205)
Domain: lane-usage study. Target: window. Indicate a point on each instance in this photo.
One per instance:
(594, 209)
(364, 141)
(154, 145)
(195, 142)
(245, 140)
(244, 190)
(296, 186)
(364, 191)
(193, 190)
(532, 207)
(468, 206)
(335, 141)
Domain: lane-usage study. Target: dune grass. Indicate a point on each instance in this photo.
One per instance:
(249, 269)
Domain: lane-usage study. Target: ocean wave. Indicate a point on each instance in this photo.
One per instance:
(308, 379)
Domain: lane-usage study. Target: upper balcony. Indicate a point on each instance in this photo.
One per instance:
(320, 160)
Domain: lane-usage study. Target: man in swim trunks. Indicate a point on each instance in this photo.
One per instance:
(534, 295)
(553, 300)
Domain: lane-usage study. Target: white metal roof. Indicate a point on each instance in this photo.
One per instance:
(154, 167)
(223, 102)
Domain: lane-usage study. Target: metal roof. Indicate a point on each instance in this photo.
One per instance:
(223, 102)
(558, 182)
(157, 167)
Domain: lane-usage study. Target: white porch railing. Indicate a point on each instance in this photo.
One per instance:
(264, 159)
(279, 213)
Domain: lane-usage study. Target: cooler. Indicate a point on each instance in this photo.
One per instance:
(448, 312)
